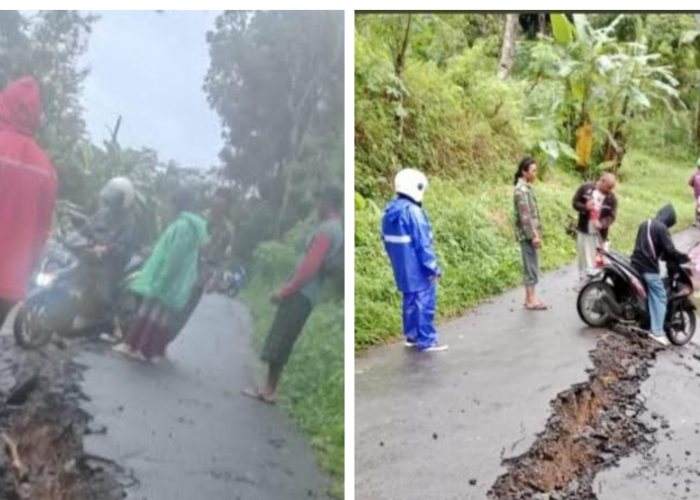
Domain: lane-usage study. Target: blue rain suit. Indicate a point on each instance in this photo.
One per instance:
(408, 241)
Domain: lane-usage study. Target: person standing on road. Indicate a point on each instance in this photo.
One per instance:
(654, 243)
(694, 182)
(528, 228)
(27, 191)
(212, 256)
(596, 205)
(408, 241)
(323, 256)
(166, 281)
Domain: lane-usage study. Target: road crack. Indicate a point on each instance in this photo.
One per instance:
(593, 425)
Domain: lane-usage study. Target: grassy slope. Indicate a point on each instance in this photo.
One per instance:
(312, 389)
(475, 243)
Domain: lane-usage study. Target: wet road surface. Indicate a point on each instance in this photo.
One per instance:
(182, 428)
(438, 425)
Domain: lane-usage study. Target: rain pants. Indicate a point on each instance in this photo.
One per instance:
(408, 242)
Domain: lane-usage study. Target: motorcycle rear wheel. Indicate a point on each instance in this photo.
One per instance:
(590, 297)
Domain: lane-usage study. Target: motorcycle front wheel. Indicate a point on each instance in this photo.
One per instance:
(30, 327)
(681, 326)
(590, 306)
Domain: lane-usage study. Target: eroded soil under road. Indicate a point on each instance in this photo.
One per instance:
(42, 429)
(593, 425)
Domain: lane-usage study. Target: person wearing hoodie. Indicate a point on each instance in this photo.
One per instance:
(112, 232)
(166, 281)
(296, 299)
(28, 188)
(654, 243)
(408, 241)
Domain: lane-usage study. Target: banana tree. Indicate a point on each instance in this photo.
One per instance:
(692, 38)
(605, 84)
(632, 86)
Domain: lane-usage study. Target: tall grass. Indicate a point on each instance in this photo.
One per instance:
(476, 247)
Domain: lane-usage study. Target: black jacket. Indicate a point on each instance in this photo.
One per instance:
(654, 242)
(115, 231)
(607, 213)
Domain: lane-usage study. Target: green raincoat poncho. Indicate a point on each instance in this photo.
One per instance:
(170, 272)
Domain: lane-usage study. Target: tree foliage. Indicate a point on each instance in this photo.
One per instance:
(276, 81)
(48, 46)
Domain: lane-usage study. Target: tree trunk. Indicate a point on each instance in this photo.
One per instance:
(399, 65)
(508, 48)
(542, 18)
(287, 183)
(400, 61)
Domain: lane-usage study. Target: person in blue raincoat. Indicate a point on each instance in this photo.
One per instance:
(408, 241)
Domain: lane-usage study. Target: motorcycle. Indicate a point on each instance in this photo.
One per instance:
(58, 302)
(232, 283)
(618, 294)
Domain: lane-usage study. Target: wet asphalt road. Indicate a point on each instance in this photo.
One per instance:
(429, 425)
(182, 428)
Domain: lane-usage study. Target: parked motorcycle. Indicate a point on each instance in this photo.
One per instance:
(233, 282)
(618, 294)
(59, 301)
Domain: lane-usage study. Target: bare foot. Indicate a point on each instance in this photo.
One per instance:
(256, 394)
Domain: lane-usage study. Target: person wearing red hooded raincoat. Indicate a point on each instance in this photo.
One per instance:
(27, 191)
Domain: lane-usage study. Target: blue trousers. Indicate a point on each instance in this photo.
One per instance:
(657, 303)
(418, 317)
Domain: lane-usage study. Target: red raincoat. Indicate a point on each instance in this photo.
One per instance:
(27, 188)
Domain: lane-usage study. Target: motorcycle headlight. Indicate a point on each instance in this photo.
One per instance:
(45, 279)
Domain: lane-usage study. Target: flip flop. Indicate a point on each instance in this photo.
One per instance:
(537, 307)
(256, 394)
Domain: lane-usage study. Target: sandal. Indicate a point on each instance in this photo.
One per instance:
(537, 307)
(256, 394)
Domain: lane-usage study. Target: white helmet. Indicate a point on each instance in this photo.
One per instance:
(119, 193)
(412, 183)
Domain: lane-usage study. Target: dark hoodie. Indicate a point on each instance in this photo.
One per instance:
(27, 188)
(654, 242)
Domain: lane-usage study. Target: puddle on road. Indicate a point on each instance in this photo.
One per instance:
(592, 426)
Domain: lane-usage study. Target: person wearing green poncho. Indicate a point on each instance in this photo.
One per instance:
(166, 281)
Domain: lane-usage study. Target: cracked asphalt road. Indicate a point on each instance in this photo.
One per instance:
(438, 426)
(184, 431)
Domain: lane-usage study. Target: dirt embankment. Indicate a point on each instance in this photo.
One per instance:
(592, 426)
(42, 428)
